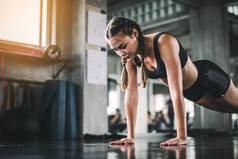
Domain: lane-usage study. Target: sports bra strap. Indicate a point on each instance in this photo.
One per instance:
(156, 49)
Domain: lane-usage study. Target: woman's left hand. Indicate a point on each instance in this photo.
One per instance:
(175, 142)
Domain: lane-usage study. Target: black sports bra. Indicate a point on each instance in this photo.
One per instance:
(160, 71)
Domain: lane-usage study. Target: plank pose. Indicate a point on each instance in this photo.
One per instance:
(161, 56)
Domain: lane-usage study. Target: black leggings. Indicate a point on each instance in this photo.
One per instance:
(211, 79)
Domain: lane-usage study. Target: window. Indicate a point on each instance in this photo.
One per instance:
(24, 21)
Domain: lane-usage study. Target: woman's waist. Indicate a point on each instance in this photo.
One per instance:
(200, 76)
(190, 75)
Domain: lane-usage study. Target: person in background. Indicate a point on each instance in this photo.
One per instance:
(170, 113)
(151, 123)
(161, 122)
(117, 124)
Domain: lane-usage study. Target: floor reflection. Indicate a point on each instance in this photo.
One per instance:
(204, 147)
(129, 152)
(146, 147)
(179, 152)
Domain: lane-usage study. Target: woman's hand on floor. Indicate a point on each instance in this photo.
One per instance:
(175, 142)
(123, 141)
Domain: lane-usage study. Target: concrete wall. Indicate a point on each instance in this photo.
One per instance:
(71, 31)
(210, 41)
(93, 98)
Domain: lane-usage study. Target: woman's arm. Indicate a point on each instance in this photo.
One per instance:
(169, 51)
(131, 101)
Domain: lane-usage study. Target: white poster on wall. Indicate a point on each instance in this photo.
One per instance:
(97, 67)
(96, 28)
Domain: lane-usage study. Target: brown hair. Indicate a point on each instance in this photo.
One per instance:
(126, 26)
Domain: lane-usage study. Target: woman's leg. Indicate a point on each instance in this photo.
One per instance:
(230, 99)
(227, 104)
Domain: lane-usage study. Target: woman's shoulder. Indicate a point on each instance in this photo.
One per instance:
(152, 35)
(166, 43)
(166, 39)
(160, 34)
(161, 38)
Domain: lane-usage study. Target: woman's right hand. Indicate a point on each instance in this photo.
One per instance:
(123, 141)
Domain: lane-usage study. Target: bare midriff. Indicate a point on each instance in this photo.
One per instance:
(189, 72)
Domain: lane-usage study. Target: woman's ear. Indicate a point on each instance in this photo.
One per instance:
(135, 33)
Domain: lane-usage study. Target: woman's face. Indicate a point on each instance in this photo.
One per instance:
(124, 45)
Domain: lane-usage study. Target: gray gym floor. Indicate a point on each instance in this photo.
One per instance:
(146, 147)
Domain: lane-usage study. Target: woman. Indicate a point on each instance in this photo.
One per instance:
(160, 55)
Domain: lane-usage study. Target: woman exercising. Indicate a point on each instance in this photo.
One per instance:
(160, 55)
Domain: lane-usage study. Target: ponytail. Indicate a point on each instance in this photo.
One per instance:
(143, 75)
(124, 78)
